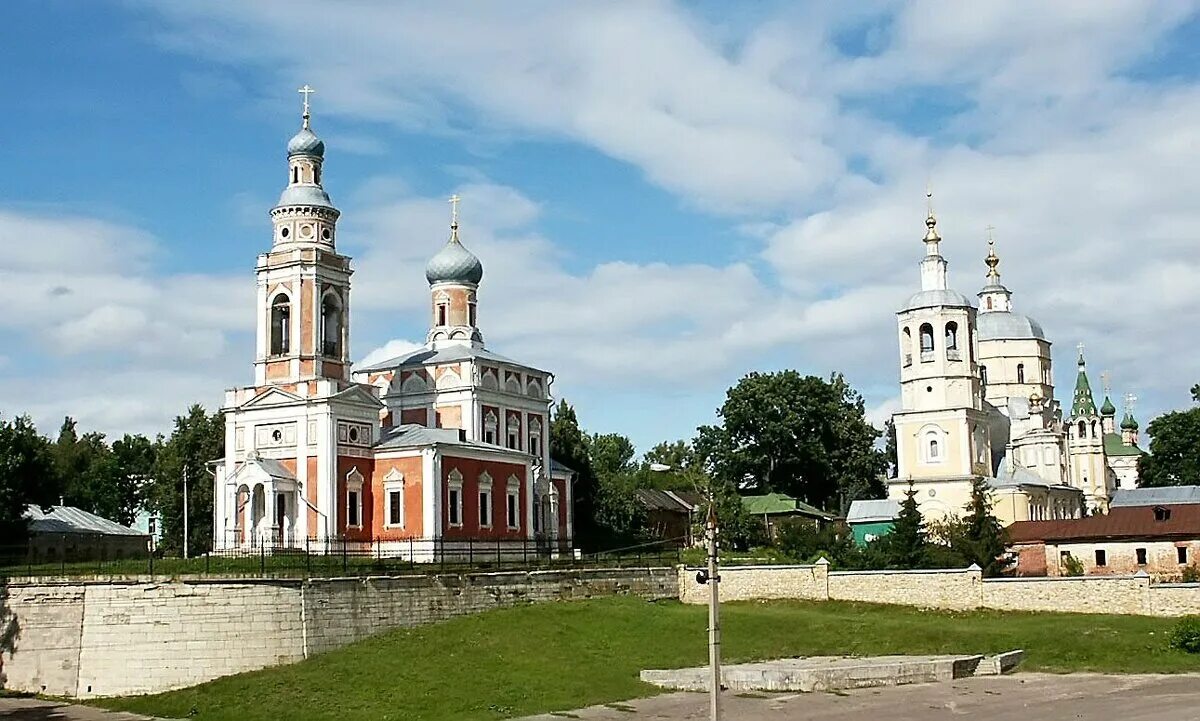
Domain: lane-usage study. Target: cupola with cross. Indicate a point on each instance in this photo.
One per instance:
(454, 274)
(303, 283)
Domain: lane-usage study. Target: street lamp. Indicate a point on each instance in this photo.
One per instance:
(711, 577)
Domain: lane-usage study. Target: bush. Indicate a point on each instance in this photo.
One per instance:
(1191, 574)
(1071, 566)
(1186, 635)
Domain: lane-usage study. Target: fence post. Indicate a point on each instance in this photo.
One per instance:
(344, 567)
(412, 560)
(498, 562)
(307, 557)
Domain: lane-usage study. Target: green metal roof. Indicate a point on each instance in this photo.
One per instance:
(1114, 446)
(1085, 404)
(1108, 409)
(779, 503)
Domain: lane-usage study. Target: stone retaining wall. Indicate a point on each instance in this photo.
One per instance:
(88, 639)
(953, 589)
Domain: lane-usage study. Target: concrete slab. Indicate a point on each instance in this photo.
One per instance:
(1001, 663)
(1020, 697)
(820, 673)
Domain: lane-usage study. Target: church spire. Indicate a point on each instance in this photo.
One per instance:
(1084, 403)
(933, 265)
(454, 274)
(993, 296)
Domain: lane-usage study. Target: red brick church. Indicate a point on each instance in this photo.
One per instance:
(448, 442)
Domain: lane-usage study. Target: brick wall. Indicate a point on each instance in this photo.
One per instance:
(119, 638)
(954, 589)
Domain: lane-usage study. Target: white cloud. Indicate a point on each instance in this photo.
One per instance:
(392, 349)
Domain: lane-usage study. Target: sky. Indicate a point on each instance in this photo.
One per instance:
(665, 196)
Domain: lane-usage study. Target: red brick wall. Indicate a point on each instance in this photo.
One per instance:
(413, 516)
(419, 416)
(471, 469)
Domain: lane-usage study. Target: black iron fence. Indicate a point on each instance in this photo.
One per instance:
(320, 557)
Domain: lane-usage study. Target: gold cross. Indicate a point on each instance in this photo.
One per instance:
(454, 201)
(306, 91)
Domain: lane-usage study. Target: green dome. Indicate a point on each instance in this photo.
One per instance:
(1108, 409)
(1130, 423)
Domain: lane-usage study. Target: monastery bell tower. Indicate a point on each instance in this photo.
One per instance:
(303, 283)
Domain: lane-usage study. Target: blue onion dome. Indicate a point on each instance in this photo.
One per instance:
(306, 142)
(454, 264)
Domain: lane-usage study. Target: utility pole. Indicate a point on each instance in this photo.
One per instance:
(185, 512)
(714, 613)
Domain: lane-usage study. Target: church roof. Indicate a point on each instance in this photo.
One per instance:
(1006, 325)
(1108, 409)
(454, 264)
(932, 298)
(306, 142)
(448, 354)
(305, 195)
(411, 435)
(1084, 404)
(1115, 446)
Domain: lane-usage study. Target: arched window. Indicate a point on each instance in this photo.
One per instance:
(1093, 429)
(296, 175)
(331, 324)
(933, 449)
(983, 374)
(952, 336)
(1082, 429)
(926, 339)
(471, 314)
(281, 325)
(1020, 372)
(443, 313)
(906, 346)
(989, 303)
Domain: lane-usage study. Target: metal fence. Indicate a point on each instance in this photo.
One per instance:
(320, 557)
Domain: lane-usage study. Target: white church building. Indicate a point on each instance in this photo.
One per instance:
(977, 402)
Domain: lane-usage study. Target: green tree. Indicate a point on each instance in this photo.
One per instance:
(890, 452)
(985, 539)
(569, 446)
(198, 438)
(801, 435)
(27, 476)
(134, 457)
(1174, 458)
(905, 545)
(676, 454)
(611, 455)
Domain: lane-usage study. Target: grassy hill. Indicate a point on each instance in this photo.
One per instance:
(538, 658)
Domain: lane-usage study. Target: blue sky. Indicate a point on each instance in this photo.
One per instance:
(665, 196)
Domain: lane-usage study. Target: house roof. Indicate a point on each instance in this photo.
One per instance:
(68, 519)
(780, 504)
(559, 469)
(1155, 496)
(873, 511)
(676, 501)
(1135, 522)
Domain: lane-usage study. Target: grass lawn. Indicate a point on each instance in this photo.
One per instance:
(538, 658)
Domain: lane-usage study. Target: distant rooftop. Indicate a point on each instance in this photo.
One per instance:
(779, 504)
(873, 511)
(1155, 496)
(68, 519)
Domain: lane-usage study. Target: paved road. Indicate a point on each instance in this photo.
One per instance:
(1022, 697)
(32, 709)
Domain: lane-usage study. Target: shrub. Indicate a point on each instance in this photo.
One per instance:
(1191, 574)
(1186, 635)
(1071, 566)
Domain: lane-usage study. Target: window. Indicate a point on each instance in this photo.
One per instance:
(1082, 429)
(485, 509)
(514, 433)
(989, 302)
(983, 374)
(926, 340)
(1101, 559)
(535, 437)
(454, 506)
(281, 325)
(952, 336)
(906, 346)
(1093, 429)
(443, 313)
(331, 322)
(454, 482)
(489, 428)
(295, 175)
(1141, 556)
(933, 449)
(513, 512)
(352, 509)
(1020, 372)
(1162, 514)
(395, 508)
(1180, 552)
(471, 314)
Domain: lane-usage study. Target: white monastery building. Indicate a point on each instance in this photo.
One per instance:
(448, 442)
(977, 402)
